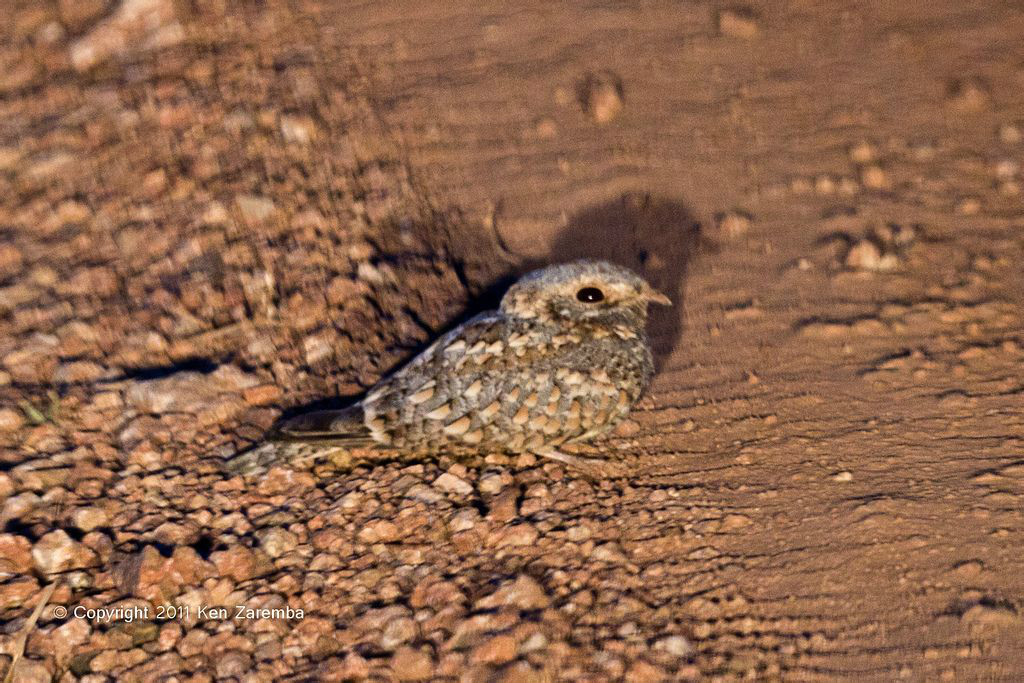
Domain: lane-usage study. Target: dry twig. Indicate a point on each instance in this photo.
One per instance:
(19, 644)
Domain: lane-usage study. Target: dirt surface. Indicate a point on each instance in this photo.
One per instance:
(209, 217)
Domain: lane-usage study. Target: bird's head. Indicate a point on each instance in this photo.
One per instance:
(595, 292)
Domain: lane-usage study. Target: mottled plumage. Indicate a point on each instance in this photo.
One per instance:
(562, 360)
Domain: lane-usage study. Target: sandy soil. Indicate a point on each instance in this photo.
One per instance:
(210, 217)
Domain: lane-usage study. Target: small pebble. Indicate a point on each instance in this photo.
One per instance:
(546, 128)
(873, 177)
(968, 95)
(495, 650)
(254, 208)
(678, 646)
(523, 593)
(300, 130)
(824, 185)
(733, 225)
(379, 531)
(411, 664)
(464, 520)
(31, 671)
(862, 153)
(1009, 188)
(317, 348)
(644, 672)
(1006, 169)
(127, 29)
(90, 518)
(1010, 134)
(232, 664)
(491, 484)
(514, 535)
(601, 95)
(451, 484)
(866, 255)
(968, 206)
(58, 552)
(276, 541)
(10, 420)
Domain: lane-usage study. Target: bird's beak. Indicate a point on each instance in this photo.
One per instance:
(656, 297)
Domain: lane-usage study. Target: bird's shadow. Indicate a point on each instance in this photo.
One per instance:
(656, 237)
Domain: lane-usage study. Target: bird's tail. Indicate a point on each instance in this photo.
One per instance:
(259, 459)
(304, 439)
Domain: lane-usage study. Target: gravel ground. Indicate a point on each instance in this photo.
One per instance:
(211, 218)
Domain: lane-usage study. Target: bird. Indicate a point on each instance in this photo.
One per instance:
(561, 361)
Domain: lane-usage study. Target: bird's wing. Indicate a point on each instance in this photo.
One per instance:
(349, 427)
(435, 376)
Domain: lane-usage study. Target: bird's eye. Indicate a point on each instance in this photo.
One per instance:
(590, 295)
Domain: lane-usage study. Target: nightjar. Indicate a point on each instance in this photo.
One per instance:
(562, 360)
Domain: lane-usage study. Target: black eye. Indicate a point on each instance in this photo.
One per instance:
(590, 295)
